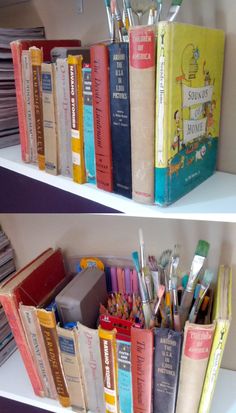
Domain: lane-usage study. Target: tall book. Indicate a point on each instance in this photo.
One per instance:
(48, 323)
(89, 350)
(188, 101)
(167, 354)
(26, 286)
(109, 368)
(63, 116)
(29, 319)
(196, 350)
(142, 369)
(27, 87)
(89, 150)
(17, 47)
(72, 367)
(101, 115)
(49, 119)
(142, 110)
(120, 118)
(222, 317)
(77, 130)
(36, 58)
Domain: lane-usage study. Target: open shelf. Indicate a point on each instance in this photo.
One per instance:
(214, 199)
(15, 385)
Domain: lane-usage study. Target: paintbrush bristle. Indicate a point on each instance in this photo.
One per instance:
(128, 5)
(107, 3)
(208, 277)
(202, 248)
(165, 258)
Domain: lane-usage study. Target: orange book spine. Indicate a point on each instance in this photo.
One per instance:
(16, 56)
(36, 55)
(21, 341)
(142, 365)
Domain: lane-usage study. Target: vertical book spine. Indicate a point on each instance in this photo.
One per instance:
(166, 369)
(124, 376)
(36, 55)
(89, 150)
(48, 326)
(77, 133)
(142, 111)
(101, 114)
(120, 118)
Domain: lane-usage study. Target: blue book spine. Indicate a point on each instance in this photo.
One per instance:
(89, 151)
(124, 376)
(120, 118)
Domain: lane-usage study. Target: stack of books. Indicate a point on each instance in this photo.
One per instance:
(7, 267)
(95, 341)
(9, 129)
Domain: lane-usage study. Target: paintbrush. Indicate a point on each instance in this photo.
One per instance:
(125, 16)
(144, 268)
(158, 10)
(113, 21)
(130, 12)
(173, 10)
(156, 306)
(143, 291)
(197, 264)
(108, 10)
(205, 284)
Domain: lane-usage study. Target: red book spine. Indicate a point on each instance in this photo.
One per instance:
(142, 374)
(16, 56)
(19, 335)
(101, 114)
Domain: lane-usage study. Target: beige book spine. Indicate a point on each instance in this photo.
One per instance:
(71, 362)
(195, 355)
(29, 319)
(49, 119)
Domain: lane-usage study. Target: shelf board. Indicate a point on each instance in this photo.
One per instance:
(214, 199)
(17, 387)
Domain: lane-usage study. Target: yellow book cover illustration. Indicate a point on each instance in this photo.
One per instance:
(222, 318)
(77, 129)
(188, 103)
(109, 368)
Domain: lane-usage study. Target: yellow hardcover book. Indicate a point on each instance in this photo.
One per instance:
(109, 368)
(222, 318)
(77, 132)
(188, 102)
(36, 56)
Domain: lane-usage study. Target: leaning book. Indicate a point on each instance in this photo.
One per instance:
(188, 102)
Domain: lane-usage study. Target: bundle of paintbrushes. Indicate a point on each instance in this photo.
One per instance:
(124, 306)
(167, 300)
(136, 12)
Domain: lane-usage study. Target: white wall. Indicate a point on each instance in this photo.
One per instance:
(61, 21)
(118, 235)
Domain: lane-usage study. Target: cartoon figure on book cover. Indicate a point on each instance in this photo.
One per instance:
(188, 108)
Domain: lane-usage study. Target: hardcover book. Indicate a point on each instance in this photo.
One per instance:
(120, 118)
(49, 119)
(168, 345)
(101, 115)
(142, 110)
(17, 47)
(142, 369)
(222, 317)
(77, 129)
(188, 101)
(89, 150)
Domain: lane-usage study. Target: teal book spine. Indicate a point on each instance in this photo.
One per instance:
(89, 151)
(124, 376)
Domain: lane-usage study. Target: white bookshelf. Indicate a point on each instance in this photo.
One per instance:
(15, 385)
(214, 199)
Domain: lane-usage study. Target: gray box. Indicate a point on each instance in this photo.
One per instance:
(81, 298)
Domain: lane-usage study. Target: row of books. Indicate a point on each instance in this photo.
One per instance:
(9, 130)
(143, 116)
(116, 361)
(7, 267)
